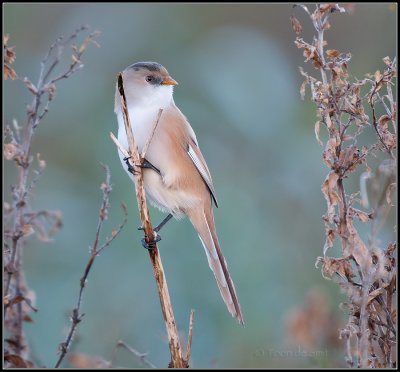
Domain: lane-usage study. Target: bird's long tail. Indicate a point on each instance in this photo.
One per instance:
(205, 227)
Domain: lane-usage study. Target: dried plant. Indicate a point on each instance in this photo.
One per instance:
(20, 220)
(95, 251)
(142, 357)
(347, 107)
(8, 59)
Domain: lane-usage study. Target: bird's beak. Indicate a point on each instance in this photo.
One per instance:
(169, 81)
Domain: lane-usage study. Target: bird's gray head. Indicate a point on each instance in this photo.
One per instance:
(148, 83)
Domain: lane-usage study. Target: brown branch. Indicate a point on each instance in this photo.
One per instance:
(343, 202)
(141, 356)
(190, 336)
(24, 222)
(390, 294)
(177, 361)
(319, 24)
(77, 316)
(23, 159)
(375, 125)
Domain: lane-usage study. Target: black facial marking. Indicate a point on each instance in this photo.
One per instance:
(151, 66)
(153, 80)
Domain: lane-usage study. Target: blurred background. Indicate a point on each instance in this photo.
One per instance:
(237, 68)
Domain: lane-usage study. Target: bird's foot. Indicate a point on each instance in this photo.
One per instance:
(131, 169)
(145, 164)
(152, 245)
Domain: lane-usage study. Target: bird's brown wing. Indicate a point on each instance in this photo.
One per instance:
(201, 165)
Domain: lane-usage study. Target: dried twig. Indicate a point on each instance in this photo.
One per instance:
(189, 344)
(21, 219)
(8, 59)
(177, 361)
(76, 317)
(141, 356)
(341, 107)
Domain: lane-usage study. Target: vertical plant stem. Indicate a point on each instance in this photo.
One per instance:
(177, 360)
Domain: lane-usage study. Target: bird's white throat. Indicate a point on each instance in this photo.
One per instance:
(143, 114)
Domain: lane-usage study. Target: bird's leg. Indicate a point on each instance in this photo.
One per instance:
(148, 165)
(145, 164)
(160, 225)
(156, 230)
(150, 246)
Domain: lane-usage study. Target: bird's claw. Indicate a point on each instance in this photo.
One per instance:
(145, 165)
(152, 245)
(130, 168)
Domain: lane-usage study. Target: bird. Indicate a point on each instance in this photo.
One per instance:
(176, 177)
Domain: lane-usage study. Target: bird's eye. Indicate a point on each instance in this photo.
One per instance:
(149, 79)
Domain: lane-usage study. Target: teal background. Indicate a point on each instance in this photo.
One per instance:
(237, 68)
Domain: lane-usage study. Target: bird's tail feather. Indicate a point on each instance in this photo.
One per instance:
(205, 227)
